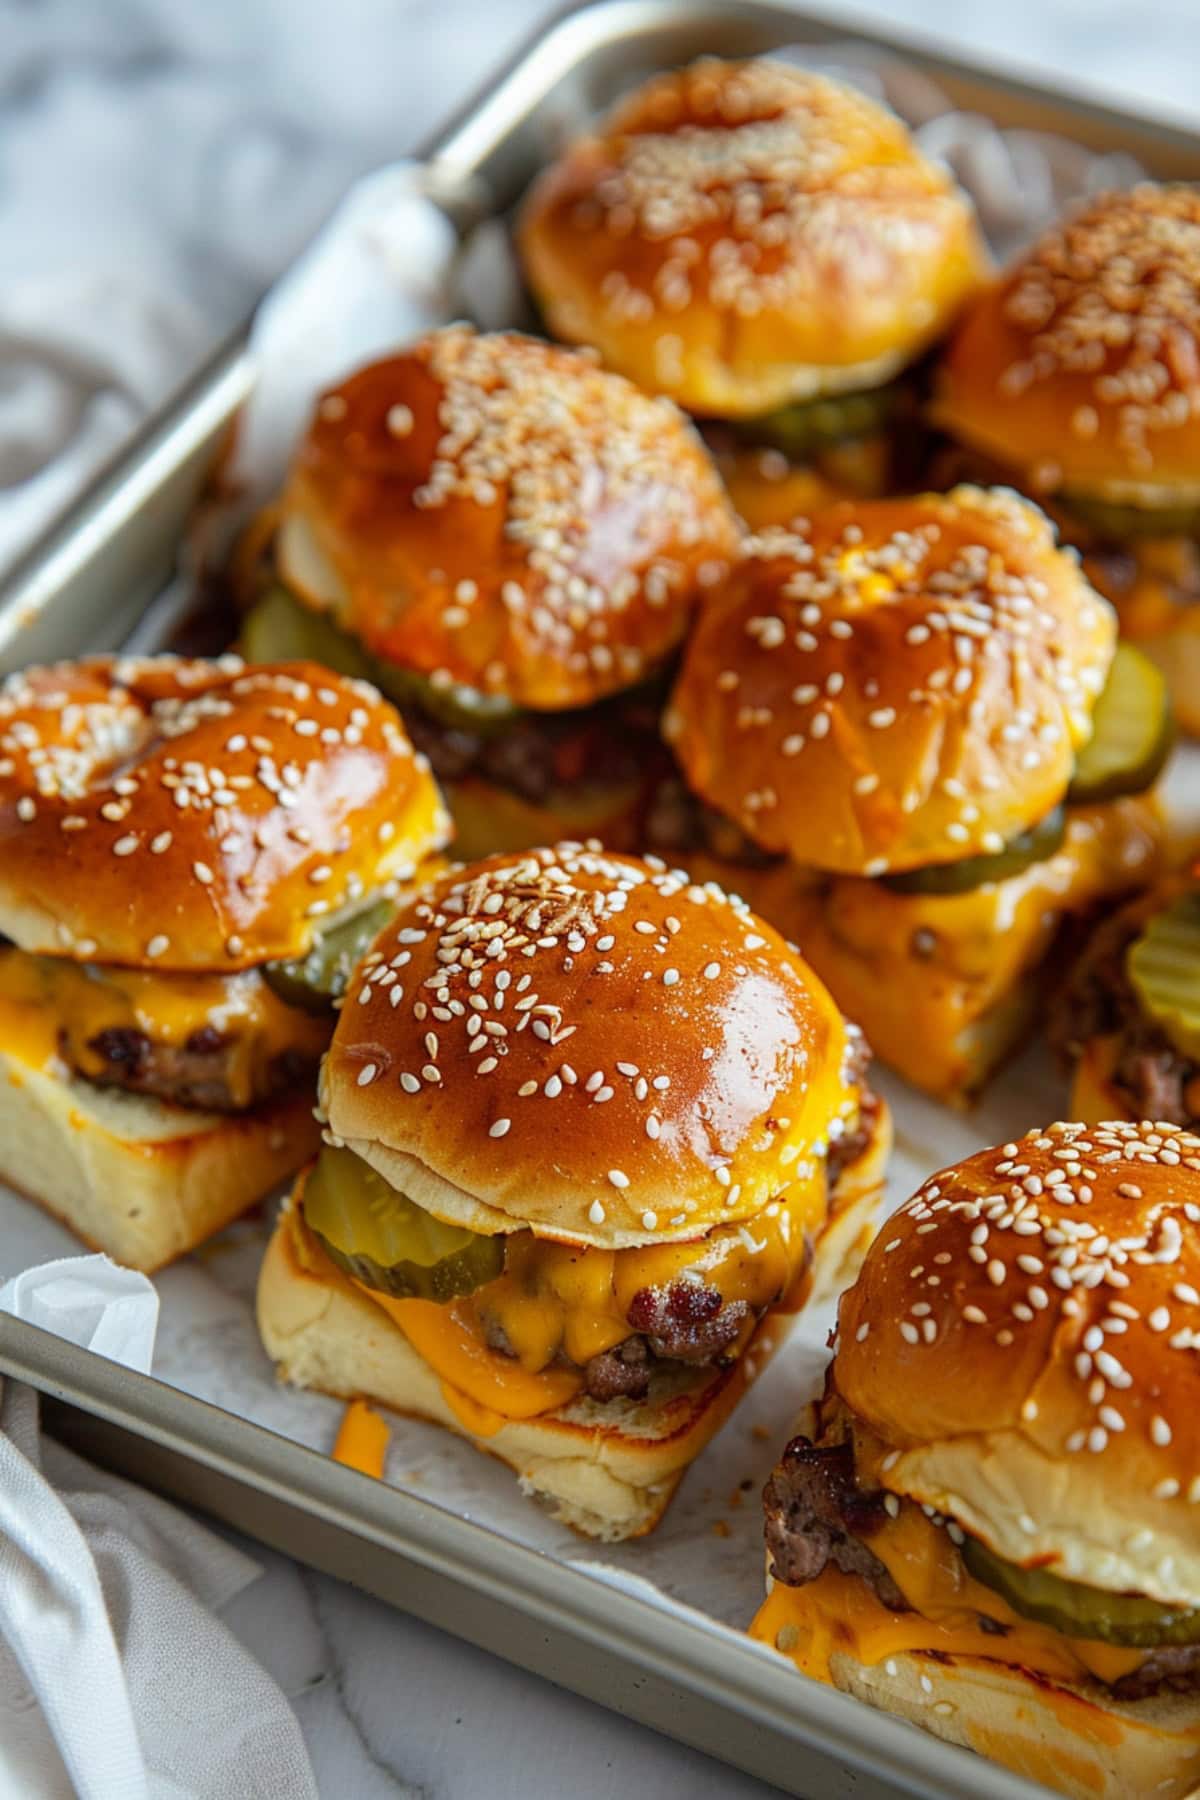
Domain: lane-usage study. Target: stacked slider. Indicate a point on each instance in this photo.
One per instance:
(192, 854)
(771, 250)
(594, 1137)
(909, 741)
(510, 542)
(995, 1533)
(1077, 378)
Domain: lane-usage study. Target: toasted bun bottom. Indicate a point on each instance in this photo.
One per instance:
(142, 1181)
(608, 1469)
(1079, 1741)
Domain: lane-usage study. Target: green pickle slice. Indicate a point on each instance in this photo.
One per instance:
(1132, 731)
(810, 425)
(1163, 965)
(279, 628)
(1116, 522)
(1034, 845)
(382, 1238)
(315, 981)
(1078, 1611)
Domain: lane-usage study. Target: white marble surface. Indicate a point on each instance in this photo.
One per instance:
(173, 157)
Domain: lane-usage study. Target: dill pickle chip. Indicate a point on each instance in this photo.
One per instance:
(279, 628)
(1116, 522)
(1034, 845)
(1078, 1611)
(385, 1240)
(1132, 731)
(1163, 965)
(809, 425)
(315, 981)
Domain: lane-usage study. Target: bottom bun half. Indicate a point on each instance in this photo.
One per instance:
(139, 1180)
(1079, 1741)
(607, 1469)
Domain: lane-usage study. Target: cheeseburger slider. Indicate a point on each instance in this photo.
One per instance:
(510, 543)
(1128, 1022)
(1077, 377)
(763, 245)
(910, 745)
(995, 1533)
(594, 1136)
(191, 853)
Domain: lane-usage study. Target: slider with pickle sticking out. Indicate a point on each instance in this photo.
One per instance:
(909, 743)
(1127, 1023)
(595, 1135)
(770, 249)
(993, 1531)
(1076, 377)
(510, 542)
(192, 854)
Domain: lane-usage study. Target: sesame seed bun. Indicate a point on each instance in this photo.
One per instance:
(496, 513)
(1038, 1385)
(589, 1045)
(744, 235)
(1080, 369)
(188, 815)
(893, 683)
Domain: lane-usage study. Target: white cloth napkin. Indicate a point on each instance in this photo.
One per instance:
(117, 1679)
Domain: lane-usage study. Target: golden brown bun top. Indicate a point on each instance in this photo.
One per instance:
(494, 512)
(894, 682)
(588, 1044)
(742, 235)
(157, 812)
(1080, 369)
(1024, 1331)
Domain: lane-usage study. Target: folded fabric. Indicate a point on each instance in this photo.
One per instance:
(117, 1677)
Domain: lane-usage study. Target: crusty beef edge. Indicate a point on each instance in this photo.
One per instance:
(816, 1514)
(1151, 1075)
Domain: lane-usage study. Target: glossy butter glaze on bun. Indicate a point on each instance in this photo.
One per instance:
(1080, 369)
(590, 1045)
(494, 513)
(891, 684)
(1022, 1335)
(744, 235)
(186, 816)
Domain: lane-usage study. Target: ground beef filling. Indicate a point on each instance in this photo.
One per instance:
(195, 1074)
(1155, 1080)
(816, 1514)
(539, 755)
(687, 1322)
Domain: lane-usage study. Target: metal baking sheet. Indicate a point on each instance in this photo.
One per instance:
(100, 576)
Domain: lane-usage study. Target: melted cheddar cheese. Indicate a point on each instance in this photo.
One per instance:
(558, 1305)
(53, 1010)
(928, 974)
(362, 1440)
(840, 1612)
(1153, 579)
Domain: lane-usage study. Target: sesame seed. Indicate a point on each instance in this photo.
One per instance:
(500, 1128)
